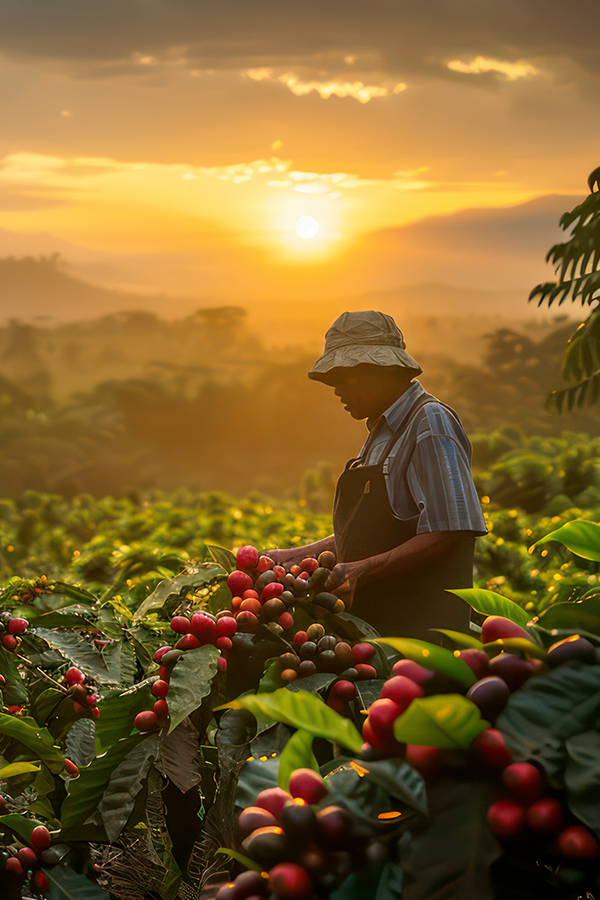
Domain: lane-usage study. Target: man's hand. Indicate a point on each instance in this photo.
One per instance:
(343, 580)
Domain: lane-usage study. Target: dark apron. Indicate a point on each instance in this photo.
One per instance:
(365, 525)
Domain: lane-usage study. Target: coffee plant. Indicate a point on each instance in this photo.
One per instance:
(223, 727)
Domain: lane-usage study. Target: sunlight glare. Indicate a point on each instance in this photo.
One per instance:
(306, 227)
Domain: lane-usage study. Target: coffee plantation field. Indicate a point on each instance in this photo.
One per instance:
(179, 721)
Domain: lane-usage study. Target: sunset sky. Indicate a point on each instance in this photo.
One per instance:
(173, 144)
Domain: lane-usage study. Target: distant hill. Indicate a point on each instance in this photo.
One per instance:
(40, 288)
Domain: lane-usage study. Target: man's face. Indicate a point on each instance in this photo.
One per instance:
(367, 390)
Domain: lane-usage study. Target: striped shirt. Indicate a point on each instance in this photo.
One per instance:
(428, 472)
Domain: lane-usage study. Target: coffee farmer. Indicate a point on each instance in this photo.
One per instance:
(406, 513)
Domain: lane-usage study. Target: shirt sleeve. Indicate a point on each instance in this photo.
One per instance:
(440, 481)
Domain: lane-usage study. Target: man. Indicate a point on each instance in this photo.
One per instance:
(406, 513)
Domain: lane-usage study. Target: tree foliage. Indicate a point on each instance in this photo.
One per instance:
(577, 266)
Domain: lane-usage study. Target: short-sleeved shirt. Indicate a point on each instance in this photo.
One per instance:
(428, 471)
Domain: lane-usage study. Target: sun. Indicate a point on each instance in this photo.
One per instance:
(306, 227)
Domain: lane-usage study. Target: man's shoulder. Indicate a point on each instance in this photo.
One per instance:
(436, 418)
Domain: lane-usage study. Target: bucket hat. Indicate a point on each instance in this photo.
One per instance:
(362, 337)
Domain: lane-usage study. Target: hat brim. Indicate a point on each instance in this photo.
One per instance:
(357, 354)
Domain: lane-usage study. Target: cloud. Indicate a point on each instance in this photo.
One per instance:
(511, 71)
(390, 42)
(299, 86)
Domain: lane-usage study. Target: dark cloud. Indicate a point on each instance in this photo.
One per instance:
(400, 38)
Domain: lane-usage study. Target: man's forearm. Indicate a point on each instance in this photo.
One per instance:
(411, 556)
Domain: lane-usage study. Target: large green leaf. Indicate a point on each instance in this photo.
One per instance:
(372, 881)
(466, 641)
(118, 710)
(302, 710)
(432, 657)
(124, 785)
(80, 746)
(398, 778)
(442, 720)
(78, 652)
(548, 711)
(56, 712)
(580, 537)
(13, 692)
(583, 615)
(297, 754)
(582, 777)
(489, 603)
(68, 617)
(119, 659)
(86, 791)
(66, 884)
(191, 682)
(222, 556)
(17, 768)
(31, 735)
(20, 825)
(164, 589)
(179, 756)
(515, 645)
(450, 853)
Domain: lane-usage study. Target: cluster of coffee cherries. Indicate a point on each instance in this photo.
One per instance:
(197, 630)
(314, 650)
(304, 847)
(531, 812)
(11, 627)
(22, 861)
(83, 692)
(398, 692)
(264, 593)
(505, 673)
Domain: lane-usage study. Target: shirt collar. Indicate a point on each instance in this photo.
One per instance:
(394, 414)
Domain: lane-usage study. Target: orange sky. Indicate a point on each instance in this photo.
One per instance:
(174, 145)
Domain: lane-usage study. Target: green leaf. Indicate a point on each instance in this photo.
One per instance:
(118, 710)
(372, 882)
(20, 826)
(124, 785)
(13, 692)
(432, 657)
(450, 855)
(271, 679)
(489, 603)
(548, 711)
(297, 754)
(119, 658)
(583, 615)
(86, 791)
(56, 618)
(582, 778)
(222, 556)
(302, 710)
(164, 589)
(65, 884)
(191, 682)
(179, 757)
(442, 720)
(466, 641)
(520, 645)
(80, 746)
(580, 537)
(399, 779)
(239, 857)
(78, 652)
(28, 732)
(18, 768)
